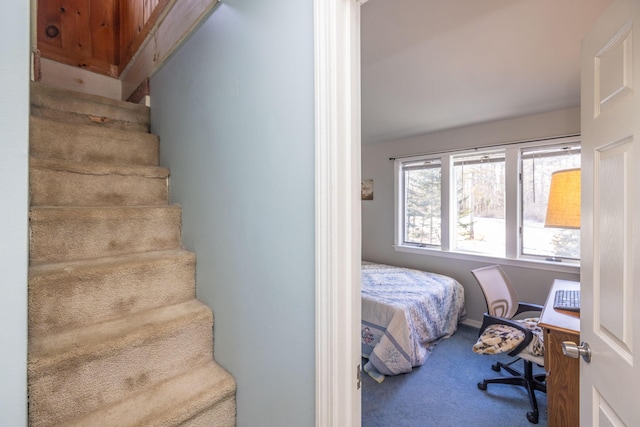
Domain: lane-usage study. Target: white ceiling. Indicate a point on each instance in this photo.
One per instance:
(430, 65)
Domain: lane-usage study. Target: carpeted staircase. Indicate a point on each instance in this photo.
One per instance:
(116, 335)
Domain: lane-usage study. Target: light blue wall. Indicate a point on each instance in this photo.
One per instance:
(14, 148)
(235, 112)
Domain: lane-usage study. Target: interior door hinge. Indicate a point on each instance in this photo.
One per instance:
(358, 377)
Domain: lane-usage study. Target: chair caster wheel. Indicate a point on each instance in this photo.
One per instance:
(495, 367)
(482, 386)
(532, 417)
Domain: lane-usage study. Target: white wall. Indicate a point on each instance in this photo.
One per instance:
(377, 215)
(14, 123)
(235, 112)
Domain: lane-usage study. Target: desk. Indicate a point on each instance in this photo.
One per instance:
(563, 373)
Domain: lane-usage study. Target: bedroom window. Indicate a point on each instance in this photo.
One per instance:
(485, 202)
(479, 203)
(538, 164)
(422, 202)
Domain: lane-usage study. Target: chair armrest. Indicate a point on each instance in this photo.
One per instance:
(491, 320)
(524, 307)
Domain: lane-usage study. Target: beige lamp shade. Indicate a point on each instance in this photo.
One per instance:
(563, 209)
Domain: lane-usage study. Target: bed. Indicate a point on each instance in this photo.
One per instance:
(405, 313)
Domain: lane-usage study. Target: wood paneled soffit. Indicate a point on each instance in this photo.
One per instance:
(104, 36)
(81, 33)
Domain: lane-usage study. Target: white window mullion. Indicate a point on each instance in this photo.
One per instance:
(446, 211)
(398, 209)
(512, 202)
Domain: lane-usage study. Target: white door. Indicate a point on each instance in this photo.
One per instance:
(610, 273)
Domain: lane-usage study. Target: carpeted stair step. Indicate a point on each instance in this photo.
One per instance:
(73, 233)
(80, 108)
(80, 293)
(201, 397)
(56, 182)
(116, 335)
(84, 143)
(78, 371)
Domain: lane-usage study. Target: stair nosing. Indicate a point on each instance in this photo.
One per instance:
(97, 168)
(93, 129)
(172, 206)
(137, 257)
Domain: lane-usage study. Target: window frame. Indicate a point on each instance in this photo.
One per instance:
(513, 208)
(403, 212)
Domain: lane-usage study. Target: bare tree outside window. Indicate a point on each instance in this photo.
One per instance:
(422, 202)
(479, 183)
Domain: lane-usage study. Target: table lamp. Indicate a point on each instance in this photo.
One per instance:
(563, 208)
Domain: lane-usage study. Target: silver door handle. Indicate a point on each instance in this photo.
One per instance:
(571, 349)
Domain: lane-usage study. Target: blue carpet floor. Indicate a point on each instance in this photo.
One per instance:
(443, 392)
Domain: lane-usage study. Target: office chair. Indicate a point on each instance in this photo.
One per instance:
(501, 333)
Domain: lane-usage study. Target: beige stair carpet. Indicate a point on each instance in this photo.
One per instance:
(116, 335)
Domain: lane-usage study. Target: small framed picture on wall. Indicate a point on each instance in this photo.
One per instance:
(366, 189)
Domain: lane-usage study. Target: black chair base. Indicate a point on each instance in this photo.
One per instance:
(527, 380)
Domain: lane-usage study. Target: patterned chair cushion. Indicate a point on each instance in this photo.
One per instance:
(502, 338)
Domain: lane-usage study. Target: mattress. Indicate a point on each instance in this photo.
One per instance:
(405, 313)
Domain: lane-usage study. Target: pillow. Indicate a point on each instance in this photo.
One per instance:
(499, 338)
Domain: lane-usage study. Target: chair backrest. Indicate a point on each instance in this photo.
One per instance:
(501, 297)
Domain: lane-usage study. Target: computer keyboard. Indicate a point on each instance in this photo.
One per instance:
(566, 299)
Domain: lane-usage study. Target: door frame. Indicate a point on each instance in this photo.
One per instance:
(337, 229)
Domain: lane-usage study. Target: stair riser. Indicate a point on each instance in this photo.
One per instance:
(88, 119)
(72, 234)
(95, 108)
(61, 188)
(76, 387)
(58, 140)
(77, 295)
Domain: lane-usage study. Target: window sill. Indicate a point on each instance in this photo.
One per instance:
(558, 267)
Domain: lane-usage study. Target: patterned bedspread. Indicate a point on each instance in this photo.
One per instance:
(405, 313)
